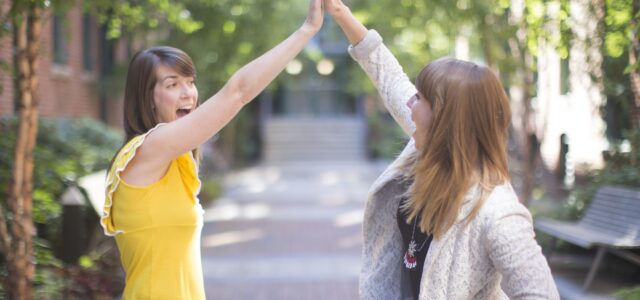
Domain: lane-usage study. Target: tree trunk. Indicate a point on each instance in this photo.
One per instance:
(20, 266)
(524, 121)
(530, 146)
(634, 47)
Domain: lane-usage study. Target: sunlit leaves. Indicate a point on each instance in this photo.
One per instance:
(618, 22)
(229, 27)
(616, 43)
(122, 16)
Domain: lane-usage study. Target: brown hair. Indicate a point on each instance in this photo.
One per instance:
(139, 116)
(466, 142)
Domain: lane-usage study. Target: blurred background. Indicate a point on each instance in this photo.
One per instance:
(569, 66)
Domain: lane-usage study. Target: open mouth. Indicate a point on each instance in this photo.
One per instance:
(183, 112)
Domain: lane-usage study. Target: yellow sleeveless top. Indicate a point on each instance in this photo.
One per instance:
(157, 229)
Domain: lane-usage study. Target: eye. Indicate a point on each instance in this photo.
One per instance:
(173, 84)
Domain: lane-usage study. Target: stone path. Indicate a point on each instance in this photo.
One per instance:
(291, 231)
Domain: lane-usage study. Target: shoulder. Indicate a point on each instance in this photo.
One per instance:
(502, 203)
(130, 149)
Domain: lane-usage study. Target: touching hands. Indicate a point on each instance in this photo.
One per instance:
(334, 7)
(315, 16)
(352, 28)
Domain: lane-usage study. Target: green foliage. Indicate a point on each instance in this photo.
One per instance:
(628, 294)
(143, 16)
(234, 33)
(212, 188)
(385, 138)
(621, 168)
(65, 151)
(618, 23)
(48, 284)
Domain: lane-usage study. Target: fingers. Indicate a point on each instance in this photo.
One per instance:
(333, 6)
(315, 15)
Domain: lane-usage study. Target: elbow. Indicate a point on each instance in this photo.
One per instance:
(236, 91)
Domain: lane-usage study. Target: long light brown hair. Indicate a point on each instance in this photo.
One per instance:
(138, 112)
(466, 142)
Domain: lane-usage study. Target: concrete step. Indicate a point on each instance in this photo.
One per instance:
(306, 139)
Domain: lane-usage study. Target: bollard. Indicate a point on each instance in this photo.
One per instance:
(73, 227)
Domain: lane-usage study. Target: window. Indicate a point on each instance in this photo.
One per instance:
(60, 54)
(87, 45)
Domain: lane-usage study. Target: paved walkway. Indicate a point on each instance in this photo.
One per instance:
(291, 231)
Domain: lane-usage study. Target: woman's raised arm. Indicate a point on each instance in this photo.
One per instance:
(184, 134)
(378, 62)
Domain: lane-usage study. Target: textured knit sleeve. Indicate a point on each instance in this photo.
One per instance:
(516, 254)
(387, 75)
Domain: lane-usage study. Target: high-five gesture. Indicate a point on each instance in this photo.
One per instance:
(151, 203)
(353, 29)
(315, 16)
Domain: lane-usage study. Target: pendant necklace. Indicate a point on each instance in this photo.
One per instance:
(410, 260)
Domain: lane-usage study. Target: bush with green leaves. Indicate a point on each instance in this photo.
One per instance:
(628, 294)
(622, 167)
(65, 151)
(385, 139)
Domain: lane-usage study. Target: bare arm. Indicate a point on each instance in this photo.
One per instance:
(378, 62)
(352, 28)
(184, 134)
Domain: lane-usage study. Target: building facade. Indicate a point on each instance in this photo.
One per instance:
(75, 57)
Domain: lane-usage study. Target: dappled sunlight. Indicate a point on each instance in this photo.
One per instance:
(334, 199)
(350, 218)
(231, 237)
(340, 177)
(350, 241)
(257, 180)
(330, 178)
(230, 211)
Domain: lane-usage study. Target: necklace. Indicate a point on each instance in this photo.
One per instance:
(410, 260)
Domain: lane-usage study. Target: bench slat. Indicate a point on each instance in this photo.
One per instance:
(613, 217)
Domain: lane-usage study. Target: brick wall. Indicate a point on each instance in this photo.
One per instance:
(6, 48)
(67, 90)
(63, 90)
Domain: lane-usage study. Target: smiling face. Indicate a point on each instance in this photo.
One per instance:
(174, 95)
(421, 116)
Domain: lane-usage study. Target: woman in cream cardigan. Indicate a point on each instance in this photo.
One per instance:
(442, 221)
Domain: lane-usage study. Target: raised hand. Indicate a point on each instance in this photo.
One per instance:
(352, 28)
(315, 15)
(335, 7)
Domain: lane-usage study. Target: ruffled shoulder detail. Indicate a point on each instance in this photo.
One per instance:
(189, 174)
(120, 163)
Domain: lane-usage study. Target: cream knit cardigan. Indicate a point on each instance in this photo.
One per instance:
(495, 256)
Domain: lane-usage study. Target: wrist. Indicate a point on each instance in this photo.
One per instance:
(342, 13)
(308, 29)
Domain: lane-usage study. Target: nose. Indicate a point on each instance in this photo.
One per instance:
(410, 101)
(187, 91)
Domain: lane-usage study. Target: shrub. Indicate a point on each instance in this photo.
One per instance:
(628, 294)
(65, 151)
(622, 167)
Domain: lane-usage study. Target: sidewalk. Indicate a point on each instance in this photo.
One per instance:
(291, 231)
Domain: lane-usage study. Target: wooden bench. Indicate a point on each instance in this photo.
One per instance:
(610, 224)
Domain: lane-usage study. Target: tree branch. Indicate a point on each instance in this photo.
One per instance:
(5, 239)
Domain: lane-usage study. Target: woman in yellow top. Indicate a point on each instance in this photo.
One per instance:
(151, 204)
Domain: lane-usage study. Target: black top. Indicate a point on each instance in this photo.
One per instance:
(420, 238)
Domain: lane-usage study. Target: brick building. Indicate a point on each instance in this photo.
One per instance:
(74, 59)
